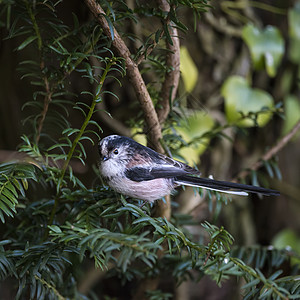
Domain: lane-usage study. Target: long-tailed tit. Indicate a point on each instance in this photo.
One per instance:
(139, 172)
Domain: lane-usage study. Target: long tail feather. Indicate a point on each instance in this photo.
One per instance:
(224, 186)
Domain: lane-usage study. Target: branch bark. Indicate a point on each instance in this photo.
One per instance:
(135, 77)
(170, 84)
(153, 118)
(167, 96)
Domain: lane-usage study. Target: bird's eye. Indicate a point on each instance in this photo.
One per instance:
(116, 151)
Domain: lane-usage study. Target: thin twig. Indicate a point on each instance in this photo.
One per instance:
(49, 90)
(269, 154)
(134, 75)
(47, 101)
(151, 116)
(222, 25)
(48, 95)
(77, 139)
(148, 51)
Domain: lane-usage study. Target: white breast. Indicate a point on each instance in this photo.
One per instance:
(145, 190)
(111, 168)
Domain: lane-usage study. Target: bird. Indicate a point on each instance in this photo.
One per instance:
(139, 172)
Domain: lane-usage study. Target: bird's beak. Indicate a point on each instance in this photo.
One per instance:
(105, 158)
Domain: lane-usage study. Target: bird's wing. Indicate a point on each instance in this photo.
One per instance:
(144, 173)
(167, 161)
(160, 159)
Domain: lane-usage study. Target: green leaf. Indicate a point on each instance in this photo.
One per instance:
(55, 228)
(287, 238)
(13, 181)
(4, 208)
(5, 242)
(294, 33)
(110, 9)
(157, 35)
(167, 33)
(250, 284)
(294, 21)
(294, 53)
(266, 47)
(111, 26)
(241, 99)
(275, 275)
(27, 42)
(192, 128)
(188, 69)
(292, 113)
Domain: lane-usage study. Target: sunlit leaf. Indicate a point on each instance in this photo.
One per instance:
(188, 69)
(241, 99)
(191, 129)
(266, 47)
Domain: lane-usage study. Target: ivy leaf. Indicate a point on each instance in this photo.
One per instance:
(242, 100)
(266, 47)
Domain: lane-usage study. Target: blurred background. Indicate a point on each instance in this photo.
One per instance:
(239, 56)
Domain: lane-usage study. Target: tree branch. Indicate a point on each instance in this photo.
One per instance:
(153, 118)
(135, 77)
(170, 85)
